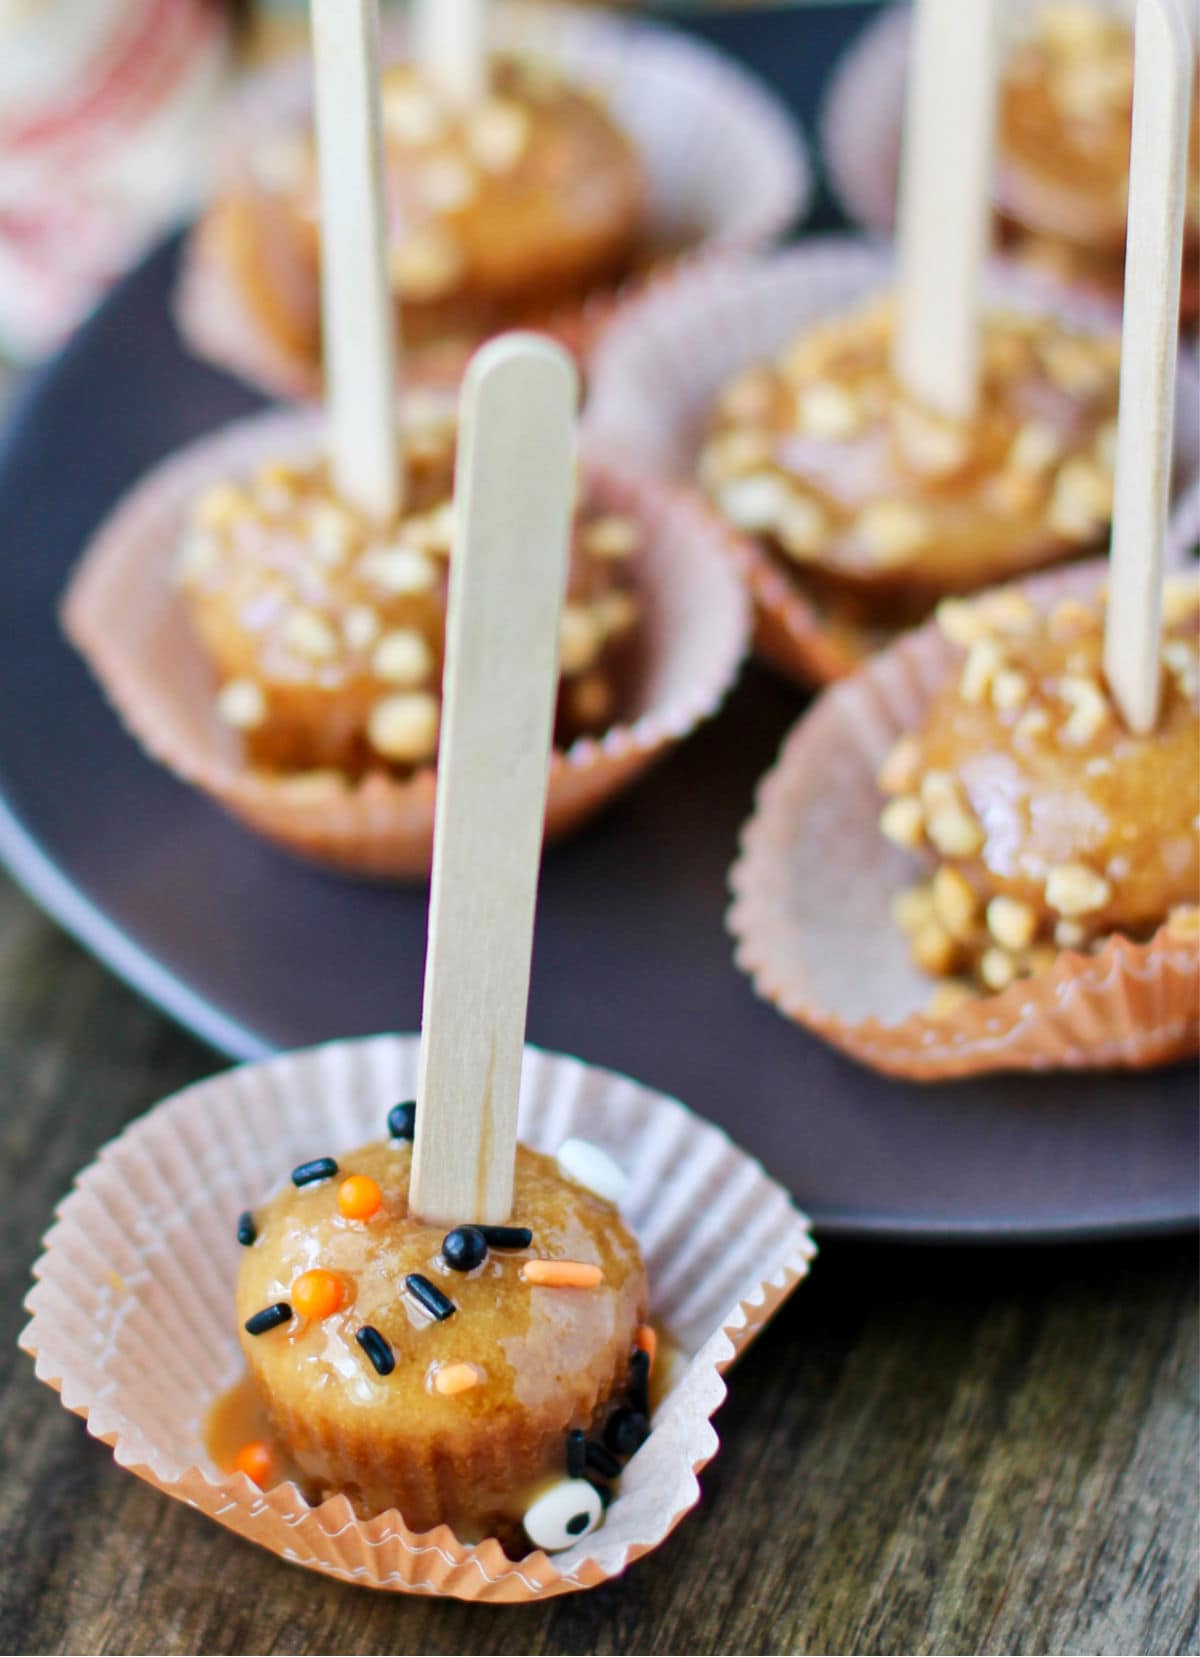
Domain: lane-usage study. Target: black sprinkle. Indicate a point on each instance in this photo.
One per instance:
(603, 1491)
(576, 1452)
(322, 1167)
(577, 1524)
(431, 1298)
(247, 1231)
(402, 1119)
(626, 1431)
(601, 1460)
(269, 1318)
(376, 1348)
(507, 1236)
(464, 1248)
(639, 1381)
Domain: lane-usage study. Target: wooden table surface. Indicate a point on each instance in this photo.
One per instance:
(931, 1450)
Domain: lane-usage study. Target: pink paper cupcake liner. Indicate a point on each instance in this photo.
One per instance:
(726, 169)
(657, 372)
(814, 880)
(124, 614)
(151, 1224)
(863, 112)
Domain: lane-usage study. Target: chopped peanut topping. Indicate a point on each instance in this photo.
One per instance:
(954, 902)
(900, 771)
(902, 822)
(404, 727)
(1073, 889)
(955, 832)
(1012, 923)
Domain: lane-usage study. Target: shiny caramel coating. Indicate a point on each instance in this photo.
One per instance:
(545, 1359)
(326, 633)
(498, 214)
(876, 507)
(1052, 824)
(1064, 116)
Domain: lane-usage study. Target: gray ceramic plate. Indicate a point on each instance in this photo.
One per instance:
(632, 967)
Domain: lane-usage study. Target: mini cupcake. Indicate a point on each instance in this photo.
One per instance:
(1063, 123)
(1055, 904)
(614, 1177)
(531, 206)
(326, 636)
(282, 654)
(486, 1378)
(769, 383)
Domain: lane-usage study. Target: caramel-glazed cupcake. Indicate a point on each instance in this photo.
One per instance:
(326, 634)
(1049, 825)
(1063, 124)
(874, 507)
(480, 1378)
(500, 212)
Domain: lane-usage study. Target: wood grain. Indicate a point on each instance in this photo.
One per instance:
(931, 1451)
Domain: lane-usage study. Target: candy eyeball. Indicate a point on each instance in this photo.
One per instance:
(589, 1166)
(567, 1511)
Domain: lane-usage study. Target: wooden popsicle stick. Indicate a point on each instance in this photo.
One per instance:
(1162, 86)
(450, 46)
(508, 571)
(944, 214)
(357, 315)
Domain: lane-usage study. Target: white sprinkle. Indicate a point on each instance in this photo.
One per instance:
(589, 1166)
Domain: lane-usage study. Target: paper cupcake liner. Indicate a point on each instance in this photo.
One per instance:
(863, 112)
(726, 169)
(660, 366)
(1183, 531)
(124, 614)
(150, 1231)
(862, 120)
(814, 880)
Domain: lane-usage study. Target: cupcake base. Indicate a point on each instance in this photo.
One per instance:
(813, 885)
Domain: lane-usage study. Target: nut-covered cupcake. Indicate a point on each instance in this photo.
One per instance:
(326, 633)
(500, 212)
(874, 506)
(493, 1379)
(1048, 824)
(1062, 177)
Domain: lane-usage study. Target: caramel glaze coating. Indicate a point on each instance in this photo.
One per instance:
(1125, 805)
(327, 636)
(548, 1359)
(1065, 108)
(1050, 823)
(876, 507)
(499, 214)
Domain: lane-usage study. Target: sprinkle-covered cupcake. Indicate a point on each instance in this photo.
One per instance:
(493, 1379)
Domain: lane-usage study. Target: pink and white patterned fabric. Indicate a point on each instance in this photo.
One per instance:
(105, 120)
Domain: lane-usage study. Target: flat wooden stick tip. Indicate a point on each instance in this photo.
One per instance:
(525, 352)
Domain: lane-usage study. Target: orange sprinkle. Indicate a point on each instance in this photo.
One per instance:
(317, 1294)
(359, 1197)
(452, 1378)
(562, 1274)
(256, 1460)
(646, 1340)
